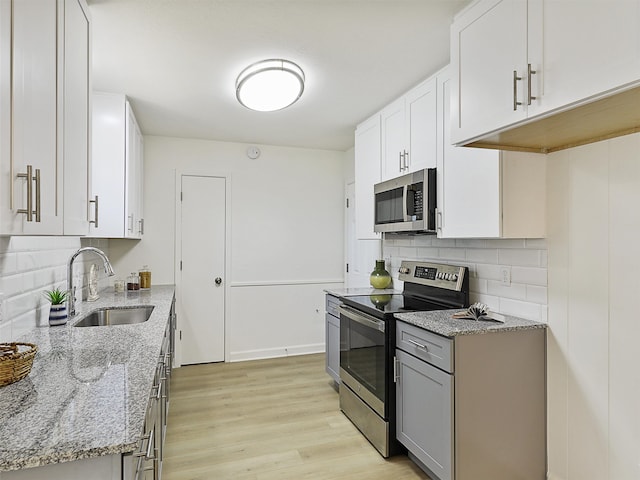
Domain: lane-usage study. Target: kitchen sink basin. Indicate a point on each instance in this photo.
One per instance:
(104, 317)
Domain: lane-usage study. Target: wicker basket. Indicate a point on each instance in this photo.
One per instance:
(16, 360)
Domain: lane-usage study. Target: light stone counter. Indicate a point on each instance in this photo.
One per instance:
(440, 322)
(88, 390)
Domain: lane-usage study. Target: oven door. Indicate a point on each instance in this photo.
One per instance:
(363, 350)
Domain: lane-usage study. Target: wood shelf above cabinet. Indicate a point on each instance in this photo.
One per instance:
(608, 116)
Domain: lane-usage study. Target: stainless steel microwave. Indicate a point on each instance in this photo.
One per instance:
(406, 203)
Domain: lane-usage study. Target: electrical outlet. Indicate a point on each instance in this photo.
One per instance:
(505, 275)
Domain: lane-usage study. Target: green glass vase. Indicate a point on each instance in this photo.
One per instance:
(380, 278)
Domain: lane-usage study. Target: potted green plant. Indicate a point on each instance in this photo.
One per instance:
(58, 311)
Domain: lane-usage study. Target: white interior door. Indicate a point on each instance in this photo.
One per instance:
(203, 279)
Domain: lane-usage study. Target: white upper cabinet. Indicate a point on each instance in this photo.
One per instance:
(515, 60)
(408, 131)
(116, 173)
(77, 94)
(489, 55)
(44, 77)
(394, 150)
(485, 193)
(134, 159)
(586, 48)
(367, 173)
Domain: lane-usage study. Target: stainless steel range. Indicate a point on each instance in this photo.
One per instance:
(367, 344)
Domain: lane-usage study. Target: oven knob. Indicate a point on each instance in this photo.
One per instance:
(404, 270)
(439, 276)
(455, 277)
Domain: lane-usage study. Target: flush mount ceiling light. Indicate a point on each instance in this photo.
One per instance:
(270, 85)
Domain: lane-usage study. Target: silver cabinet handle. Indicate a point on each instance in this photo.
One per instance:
(419, 345)
(29, 210)
(95, 209)
(141, 226)
(404, 159)
(37, 179)
(149, 439)
(516, 78)
(396, 374)
(130, 223)
(400, 160)
(438, 220)
(529, 73)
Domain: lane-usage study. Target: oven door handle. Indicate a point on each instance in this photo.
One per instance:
(362, 318)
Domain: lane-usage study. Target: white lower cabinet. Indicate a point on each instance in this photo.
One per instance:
(116, 173)
(484, 418)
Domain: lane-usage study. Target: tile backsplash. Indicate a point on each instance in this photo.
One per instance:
(523, 260)
(30, 265)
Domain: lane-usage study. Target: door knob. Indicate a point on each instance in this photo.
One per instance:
(218, 280)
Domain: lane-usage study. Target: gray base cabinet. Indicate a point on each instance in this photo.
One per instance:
(424, 417)
(332, 338)
(472, 406)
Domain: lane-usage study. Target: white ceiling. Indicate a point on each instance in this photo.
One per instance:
(177, 60)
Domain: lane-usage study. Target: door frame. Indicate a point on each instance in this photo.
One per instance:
(179, 173)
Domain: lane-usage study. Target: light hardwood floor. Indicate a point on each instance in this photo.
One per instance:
(265, 420)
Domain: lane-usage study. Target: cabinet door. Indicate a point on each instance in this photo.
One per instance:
(421, 120)
(6, 215)
(132, 175)
(75, 99)
(34, 121)
(469, 182)
(590, 47)
(424, 413)
(333, 346)
(394, 149)
(108, 163)
(488, 44)
(140, 180)
(367, 172)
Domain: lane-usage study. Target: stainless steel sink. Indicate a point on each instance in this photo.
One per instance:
(104, 317)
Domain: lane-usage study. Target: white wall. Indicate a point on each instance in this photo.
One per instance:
(286, 237)
(594, 285)
(30, 265)
(525, 297)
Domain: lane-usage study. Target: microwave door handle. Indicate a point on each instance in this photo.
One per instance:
(405, 202)
(409, 199)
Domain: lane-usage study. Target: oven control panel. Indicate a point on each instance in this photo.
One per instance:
(439, 275)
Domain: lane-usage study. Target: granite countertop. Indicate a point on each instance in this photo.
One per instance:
(440, 322)
(352, 292)
(88, 389)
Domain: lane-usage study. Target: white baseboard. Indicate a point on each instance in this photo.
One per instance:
(275, 352)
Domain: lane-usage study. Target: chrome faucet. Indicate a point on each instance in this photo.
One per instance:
(71, 289)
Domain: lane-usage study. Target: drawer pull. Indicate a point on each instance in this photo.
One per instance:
(419, 345)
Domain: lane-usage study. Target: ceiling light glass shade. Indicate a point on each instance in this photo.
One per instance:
(270, 85)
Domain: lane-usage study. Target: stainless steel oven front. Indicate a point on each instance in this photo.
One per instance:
(367, 394)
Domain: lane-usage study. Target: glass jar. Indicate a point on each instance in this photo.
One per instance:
(380, 278)
(133, 281)
(145, 277)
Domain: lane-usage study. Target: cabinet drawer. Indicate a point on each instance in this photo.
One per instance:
(425, 345)
(332, 305)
